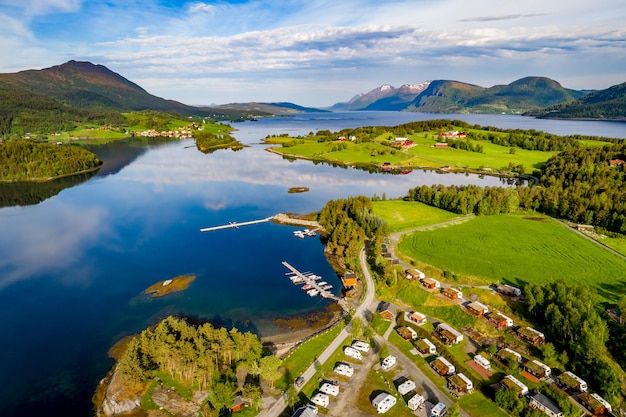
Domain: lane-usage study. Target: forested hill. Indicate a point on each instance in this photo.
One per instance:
(604, 104)
(27, 160)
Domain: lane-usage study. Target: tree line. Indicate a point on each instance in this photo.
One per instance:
(24, 160)
(578, 185)
(200, 357)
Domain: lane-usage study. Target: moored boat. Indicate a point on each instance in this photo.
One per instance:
(313, 292)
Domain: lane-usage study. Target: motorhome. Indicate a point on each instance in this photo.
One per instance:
(353, 353)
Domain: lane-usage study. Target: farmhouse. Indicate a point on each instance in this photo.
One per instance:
(415, 317)
(402, 143)
(383, 402)
(594, 403)
(430, 283)
(545, 404)
(452, 293)
(509, 290)
(414, 274)
(508, 356)
(442, 366)
(461, 384)
(441, 145)
(537, 369)
(407, 333)
(616, 162)
(585, 227)
(425, 347)
(570, 381)
(510, 382)
(499, 320)
(530, 335)
(477, 309)
(448, 335)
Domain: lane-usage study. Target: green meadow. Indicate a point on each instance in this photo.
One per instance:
(423, 154)
(403, 215)
(519, 249)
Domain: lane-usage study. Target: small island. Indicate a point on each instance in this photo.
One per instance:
(295, 190)
(208, 142)
(177, 284)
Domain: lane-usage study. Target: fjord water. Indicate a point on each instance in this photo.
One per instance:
(73, 267)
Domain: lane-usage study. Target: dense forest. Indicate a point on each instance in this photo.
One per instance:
(568, 315)
(23, 112)
(27, 160)
(199, 358)
(579, 185)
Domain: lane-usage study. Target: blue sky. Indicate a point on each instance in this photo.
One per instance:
(317, 53)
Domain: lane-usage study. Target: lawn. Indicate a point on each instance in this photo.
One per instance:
(518, 249)
(403, 215)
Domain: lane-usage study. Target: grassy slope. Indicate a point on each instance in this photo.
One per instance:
(516, 250)
(617, 244)
(422, 155)
(402, 215)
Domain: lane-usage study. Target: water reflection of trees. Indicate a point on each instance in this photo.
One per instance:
(30, 193)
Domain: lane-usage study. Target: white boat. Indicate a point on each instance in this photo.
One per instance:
(327, 287)
(313, 292)
(314, 277)
(321, 283)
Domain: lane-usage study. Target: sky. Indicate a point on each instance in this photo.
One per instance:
(318, 52)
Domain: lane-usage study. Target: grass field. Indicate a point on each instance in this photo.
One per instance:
(403, 215)
(518, 249)
(423, 154)
(617, 244)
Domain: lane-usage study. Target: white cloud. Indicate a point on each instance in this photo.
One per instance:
(201, 8)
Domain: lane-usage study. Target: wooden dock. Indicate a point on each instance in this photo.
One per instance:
(236, 225)
(307, 280)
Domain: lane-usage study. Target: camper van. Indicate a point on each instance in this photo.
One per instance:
(416, 402)
(388, 362)
(439, 410)
(320, 399)
(383, 402)
(353, 353)
(362, 346)
(406, 387)
(344, 369)
(329, 389)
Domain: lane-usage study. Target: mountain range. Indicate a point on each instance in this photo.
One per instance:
(447, 96)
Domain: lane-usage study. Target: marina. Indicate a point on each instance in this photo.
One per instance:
(311, 286)
(235, 225)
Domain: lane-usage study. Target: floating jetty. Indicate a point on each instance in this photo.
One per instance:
(235, 225)
(310, 281)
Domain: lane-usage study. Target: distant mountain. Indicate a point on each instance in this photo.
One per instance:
(268, 108)
(603, 104)
(86, 85)
(385, 97)
(443, 96)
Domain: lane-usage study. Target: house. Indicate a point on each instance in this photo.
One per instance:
(387, 311)
(508, 356)
(349, 279)
(383, 402)
(509, 290)
(425, 347)
(482, 361)
(510, 382)
(499, 320)
(415, 317)
(477, 309)
(414, 274)
(594, 403)
(442, 366)
(430, 283)
(460, 384)
(532, 336)
(406, 387)
(415, 402)
(407, 333)
(572, 382)
(616, 162)
(537, 369)
(584, 228)
(452, 293)
(447, 334)
(546, 405)
(238, 404)
(441, 145)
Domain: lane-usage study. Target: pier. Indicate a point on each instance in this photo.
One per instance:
(306, 279)
(236, 225)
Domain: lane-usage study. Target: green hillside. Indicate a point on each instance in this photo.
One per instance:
(604, 104)
(444, 96)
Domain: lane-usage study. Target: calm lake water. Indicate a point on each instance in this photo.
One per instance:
(73, 267)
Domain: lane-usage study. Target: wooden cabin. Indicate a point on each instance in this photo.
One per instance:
(407, 333)
(460, 384)
(499, 320)
(430, 283)
(477, 309)
(532, 336)
(452, 293)
(442, 366)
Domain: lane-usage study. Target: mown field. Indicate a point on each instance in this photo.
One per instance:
(519, 249)
(423, 154)
(403, 215)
